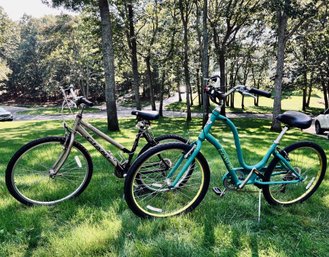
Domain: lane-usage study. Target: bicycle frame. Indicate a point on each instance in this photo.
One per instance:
(254, 171)
(81, 127)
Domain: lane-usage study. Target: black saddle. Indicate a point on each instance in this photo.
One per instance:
(295, 119)
(146, 115)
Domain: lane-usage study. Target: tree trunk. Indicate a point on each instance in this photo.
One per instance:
(133, 49)
(191, 94)
(150, 82)
(221, 62)
(281, 45)
(310, 89)
(304, 99)
(325, 93)
(205, 60)
(199, 35)
(162, 83)
(256, 100)
(184, 17)
(304, 91)
(108, 59)
(198, 86)
(256, 85)
(178, 90)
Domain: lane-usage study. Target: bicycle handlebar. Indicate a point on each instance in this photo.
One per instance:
(217, 96)
(260, 92)
(78, 100)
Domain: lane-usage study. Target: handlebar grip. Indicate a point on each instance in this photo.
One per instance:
(260, 92)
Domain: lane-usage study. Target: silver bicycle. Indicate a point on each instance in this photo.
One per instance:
(50, 170)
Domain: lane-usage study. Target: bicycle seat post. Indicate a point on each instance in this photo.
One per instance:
(278, 139)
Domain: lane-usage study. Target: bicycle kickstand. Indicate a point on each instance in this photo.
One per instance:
(259, 204)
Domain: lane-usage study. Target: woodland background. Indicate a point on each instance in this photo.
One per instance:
(147, 50)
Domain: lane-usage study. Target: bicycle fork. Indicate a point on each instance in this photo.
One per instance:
(189, 156)
(63, 157)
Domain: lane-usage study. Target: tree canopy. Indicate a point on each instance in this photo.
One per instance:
(161, 47)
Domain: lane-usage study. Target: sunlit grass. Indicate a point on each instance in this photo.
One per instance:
(291, 102)
(99, 223)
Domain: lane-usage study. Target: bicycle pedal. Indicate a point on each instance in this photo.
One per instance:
(218, 191)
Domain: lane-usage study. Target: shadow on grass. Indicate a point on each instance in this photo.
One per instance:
(218, 227)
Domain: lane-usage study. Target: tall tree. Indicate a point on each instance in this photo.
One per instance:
(282, 21)
(185, 7)
(108, 57)
(205, 59)
(147, 38)
(108, 53)
(290, 15)
(6, 26)
(227, 18)
(132, 43)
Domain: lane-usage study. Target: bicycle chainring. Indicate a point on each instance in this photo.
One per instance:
(121, 170)
(228, 182)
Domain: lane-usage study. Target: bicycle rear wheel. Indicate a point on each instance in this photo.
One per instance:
(154, 197)
(28, 177)
(163, 139)
(309, 160)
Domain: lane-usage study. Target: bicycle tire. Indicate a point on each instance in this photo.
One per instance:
(309, 160)
(27, 174)
(163, 139)
(165, 201)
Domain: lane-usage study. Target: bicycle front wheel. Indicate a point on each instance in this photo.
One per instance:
(154, 197)
(29, 178)
(309, 161)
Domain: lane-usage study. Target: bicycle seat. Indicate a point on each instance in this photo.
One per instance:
(295, 119)
(146, 115)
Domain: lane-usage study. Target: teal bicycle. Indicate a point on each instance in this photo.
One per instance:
(173, 178)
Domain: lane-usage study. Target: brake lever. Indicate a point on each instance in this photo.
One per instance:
(244, 90)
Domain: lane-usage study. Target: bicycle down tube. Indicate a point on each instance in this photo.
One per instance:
(79, 127)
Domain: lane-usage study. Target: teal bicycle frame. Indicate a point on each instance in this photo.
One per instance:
(254, 171)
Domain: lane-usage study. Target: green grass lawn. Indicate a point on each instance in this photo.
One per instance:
(99, 223)
(292, 103)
